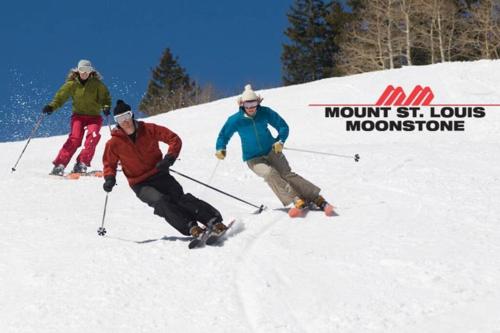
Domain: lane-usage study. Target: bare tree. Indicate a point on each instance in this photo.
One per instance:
(436, 28)
(371, 43)
(204, 94)
(482, 36)
(393, 33)
(407, 11)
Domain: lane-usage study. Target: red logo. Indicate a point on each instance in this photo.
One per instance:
(396, 96)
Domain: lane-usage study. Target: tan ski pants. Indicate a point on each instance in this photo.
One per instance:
(287, 185)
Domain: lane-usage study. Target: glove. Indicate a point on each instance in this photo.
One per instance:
(278, 147)
(48, 109)
(220, 154)
(109, 182)
(165, 163)
(106, 110)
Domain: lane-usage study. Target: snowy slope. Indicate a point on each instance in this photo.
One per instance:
(416, 247)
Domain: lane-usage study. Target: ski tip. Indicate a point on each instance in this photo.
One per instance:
(73, 176)
(295, 212)
(195, 244)
(330, 210)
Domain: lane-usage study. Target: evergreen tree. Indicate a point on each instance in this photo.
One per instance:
(337, 21)
(310, 55)
(169, 88)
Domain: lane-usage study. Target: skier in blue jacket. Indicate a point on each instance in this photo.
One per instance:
(263, 153)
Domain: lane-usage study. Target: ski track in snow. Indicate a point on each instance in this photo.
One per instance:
(415, 247)
(246, 272)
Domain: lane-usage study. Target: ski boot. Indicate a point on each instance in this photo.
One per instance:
(219, 228)
(58, 170)
(79, 167)
(322, 204)
(196, 231)
(298, 208)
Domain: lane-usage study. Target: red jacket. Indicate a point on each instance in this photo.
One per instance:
(139, 159)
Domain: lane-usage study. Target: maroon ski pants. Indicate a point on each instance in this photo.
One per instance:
(80, 123)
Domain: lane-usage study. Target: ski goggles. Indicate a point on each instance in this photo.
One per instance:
(250, 104)
(119, 118)
(85, 69)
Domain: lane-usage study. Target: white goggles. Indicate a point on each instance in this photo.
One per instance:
(119, 118)
(250, 104)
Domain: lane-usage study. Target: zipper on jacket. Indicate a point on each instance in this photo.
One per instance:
(134, 144)
(257, 135)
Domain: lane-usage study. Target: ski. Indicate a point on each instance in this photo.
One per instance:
(201, 240)
(208, 237)
(328, 210)
(77, 175)
(295, 212)
(217, 239)
(69, 176)
(93, 173)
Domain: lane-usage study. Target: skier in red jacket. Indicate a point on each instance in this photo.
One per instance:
(136, 145)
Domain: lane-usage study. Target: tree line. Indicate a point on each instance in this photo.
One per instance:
(328, 39)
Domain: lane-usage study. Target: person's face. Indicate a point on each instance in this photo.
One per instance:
(251, 107)
(128, 126)
(126, 122)
(84, 75)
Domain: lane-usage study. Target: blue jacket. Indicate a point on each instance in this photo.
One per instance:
(256, 139)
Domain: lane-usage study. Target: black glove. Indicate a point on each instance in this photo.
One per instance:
(48, 109)
(106, 110)
(109, 182)
(165, 163)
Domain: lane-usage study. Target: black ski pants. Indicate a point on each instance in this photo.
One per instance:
(162, 192)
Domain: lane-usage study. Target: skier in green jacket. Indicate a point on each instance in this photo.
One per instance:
(90, 97)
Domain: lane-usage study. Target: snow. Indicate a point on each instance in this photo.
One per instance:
(415, 248)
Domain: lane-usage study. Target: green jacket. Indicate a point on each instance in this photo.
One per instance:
(88, 98)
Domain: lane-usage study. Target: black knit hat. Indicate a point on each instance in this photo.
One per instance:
(121, 107)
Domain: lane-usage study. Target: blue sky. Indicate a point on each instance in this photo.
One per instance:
(227, 43)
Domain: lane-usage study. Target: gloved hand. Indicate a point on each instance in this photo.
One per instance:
(220, 154)
(48, 109)
(165, 163)
(106, 110)
(278, 147)
(109, 182)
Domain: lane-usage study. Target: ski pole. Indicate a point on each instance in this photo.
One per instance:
(356, 156)
(38, 123)
(107, 121)
(213, 172)
(110, 132)
(260, 208)
(102, 231)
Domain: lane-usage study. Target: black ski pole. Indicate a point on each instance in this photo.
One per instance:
(38, 123)
(356, 156)
(102, 231)
(110, 132)
(260, 208)
(107, 121)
